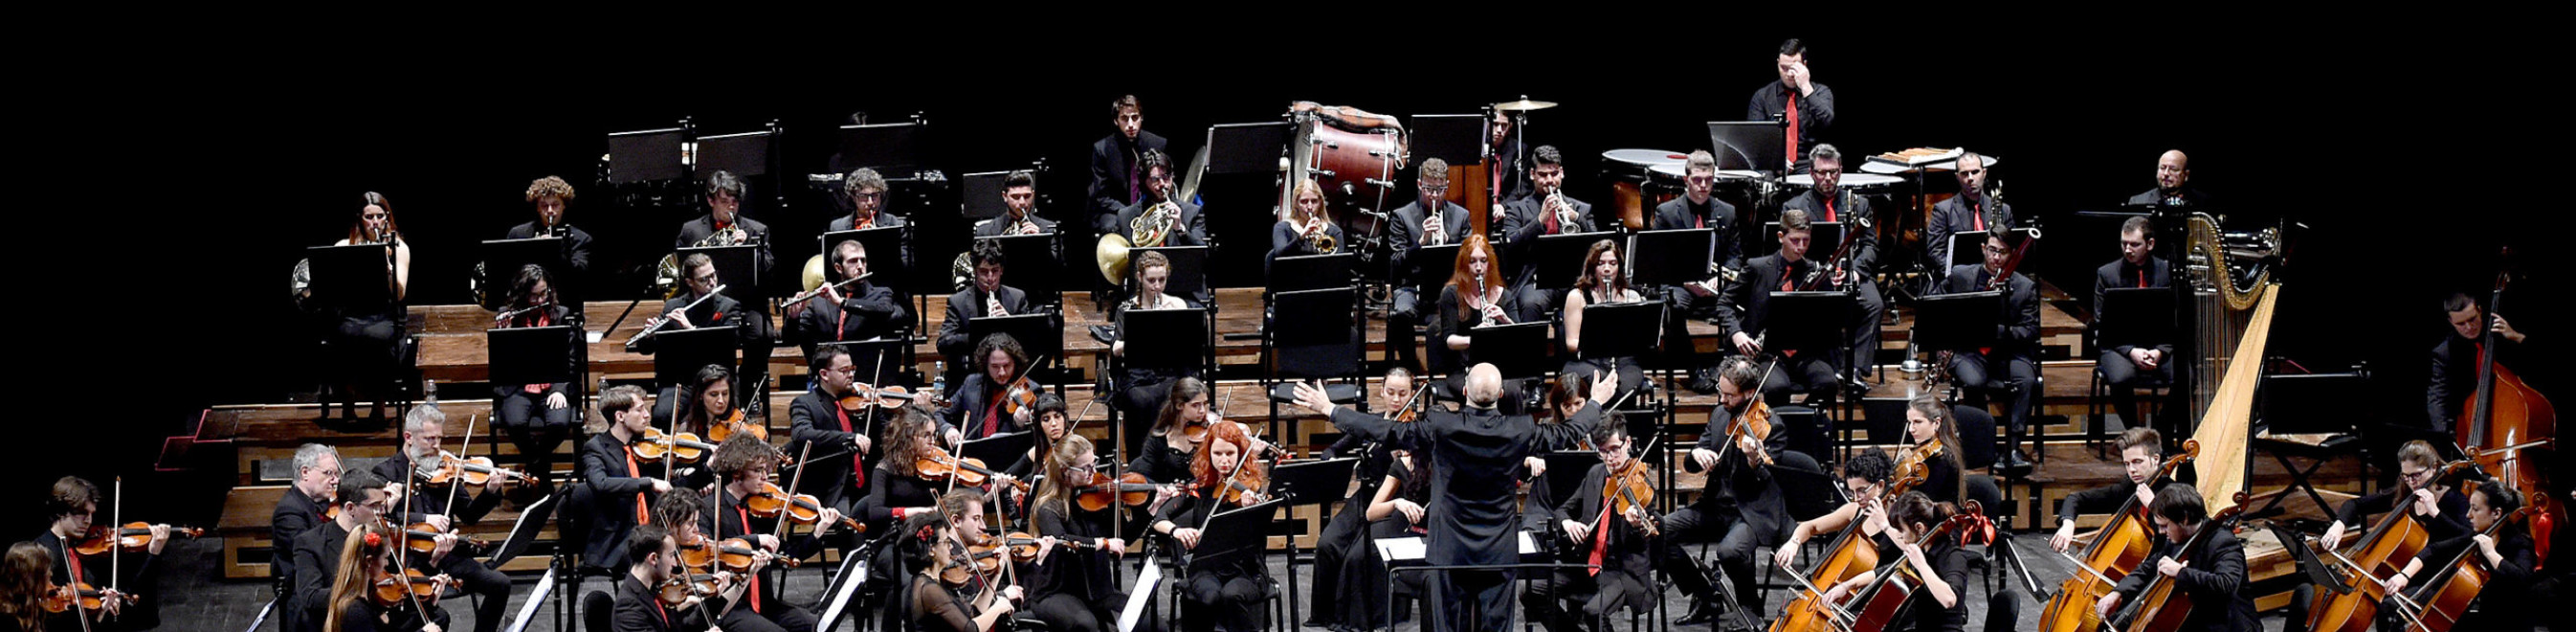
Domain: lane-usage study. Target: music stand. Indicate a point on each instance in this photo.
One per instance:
(746, 154)
(1670, 257)
(679, 353)
(737, 267)
(1807, 321)
(1518, 350)
(1749, 145)
(999, 448)
(531, 355)
(1565, 472)
(1822, 238)
(349, 276)
(2136, 315)
(502, 259)
(1957, 322)
(1316, 482)
(1309, 272)
(1559, 258)
(843, 590)
(1034, 266)
(1426, 274)
(1246, 147)
(1622, 330)
(885, 253)
(980, 195)
(1180, 339)
(646, 155)
(1316, 332)
(1037, 334)
(887, 147)
(1458, 139)
(1966, 249)
(1189, 268)
(2314, 403)
(532, 519)
(1235, 532)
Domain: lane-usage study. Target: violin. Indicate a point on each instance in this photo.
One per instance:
(2122, 544)
(1754, 423)
(390, 589)
(474, 471)
(862, 396)
(133, 537)
(2370, 559)
(802, 509)
(732, 424)
(1024, 547)
(1023, 395)
(60, 598)
(1130, 489)
(936, 466)
(676, 590)
(985, 559)
(1851, 554)
(683, 447)
(1250, 477)
(1630, 487)
(738, 554)
(2163, 606)
(422, 537)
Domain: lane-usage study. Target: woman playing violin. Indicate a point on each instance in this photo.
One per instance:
(744, 463)
(928, 545)
(2507, 602)
(1172, 440)
(357, 606)
(1052, 426)
(694, 407)
(25, 590)
(997, 399)
(2211, 573)
(74, 505)
(1224, 593)
(1076, 590)
(896, 488)
(1933, 429)
(1941, 565)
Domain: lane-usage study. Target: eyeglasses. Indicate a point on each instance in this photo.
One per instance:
(1435, 189)
(1996, 250)
(703, 278)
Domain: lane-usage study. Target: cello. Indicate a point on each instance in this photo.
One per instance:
(1851, 554)
(2162, 605)
(2121, 545)
(1884, 599)
(2465, 577)
(2372, 558)
(2506, 412)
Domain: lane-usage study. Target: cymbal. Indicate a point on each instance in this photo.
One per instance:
(1524, 105)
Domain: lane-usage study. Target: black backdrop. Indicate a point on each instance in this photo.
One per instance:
(278, 136)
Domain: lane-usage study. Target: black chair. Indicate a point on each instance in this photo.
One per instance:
(598, 612)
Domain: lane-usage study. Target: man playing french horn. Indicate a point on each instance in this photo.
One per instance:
(1428, 221)
(1156, 220)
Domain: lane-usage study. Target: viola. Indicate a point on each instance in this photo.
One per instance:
(474, 471)
(2163, 606)
(1885, 598)
(2122, 544)
(422, 537)
(2370, 559)
(733, 424)
(1130, 489)
(134, 536)
(683, 447)
(1851, 554)
(1631, 487)
(390, 590)
(802, 509)
(935, 465)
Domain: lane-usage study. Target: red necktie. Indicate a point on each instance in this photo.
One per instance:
(1600, 537)
(1789, 283)
(666, 614)
(2142, 276)
(992, 415)
(1976, 213)
(1829, 208)
(1551, 217)
(858, 463)
(1699, 222)
(1793, 122)
(641, 517)
(74, 558)
(753, 595)
(841, 326)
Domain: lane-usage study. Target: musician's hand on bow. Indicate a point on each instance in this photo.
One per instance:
(2396, 583)
(660, 486)
(2169, 566)
(1706, 458)
(2065, 536)
(2427, 503)
(1786, 554)
(1114, 546)
(1576, 532)
(861, 443)
(2505, 329)
(1744, 344)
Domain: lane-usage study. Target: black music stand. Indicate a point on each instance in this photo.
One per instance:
(502, 259)
(1822, 238)
(1565, 472)
(679, 353)
(1458, 139)
(532, 520)
(1180, 339)
(746, 154)
(880, 241)
(1519, 350)
(1559, 258)
(1750, 145)
(1966, 249)
(532, 355)
(1034, 265)
(1316, 332)
(1957, 322)
(1432, 266)
(2317, 403)
(980, 195)
(737, 267)
(888, 147)
(1004, 447)
(1309, 272)
(1308, 483)
(1246, 147)
(1235, 532)
(1670, 257)
(1807, 321)
(646, 156)
(1037, 333)
(1621, 330)
(349, 276)
(1189, 268)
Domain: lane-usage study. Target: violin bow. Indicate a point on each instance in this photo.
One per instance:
(1756, 393)
(115, 546)
(1607, 503)
(456, 485)
(792, 482)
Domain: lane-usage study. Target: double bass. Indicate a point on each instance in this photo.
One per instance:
(2121, 545)
(1851, 554)
(2507, 412)
(2163, 605)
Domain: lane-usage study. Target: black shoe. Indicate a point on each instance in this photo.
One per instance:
(1104, 333)
(1702, 612)
(2013, 463)
(1703, 384)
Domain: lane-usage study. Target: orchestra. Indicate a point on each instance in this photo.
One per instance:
(1732, 434)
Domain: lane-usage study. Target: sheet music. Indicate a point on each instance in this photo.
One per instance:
(1395, 550)
(536, 599)
(1146, 581)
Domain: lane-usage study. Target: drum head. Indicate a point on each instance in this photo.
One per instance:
(1645, 158)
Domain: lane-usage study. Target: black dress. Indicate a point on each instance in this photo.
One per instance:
(1075, 590)
(1220, 593)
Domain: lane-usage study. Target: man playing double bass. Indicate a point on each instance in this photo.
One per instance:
(2456, 360)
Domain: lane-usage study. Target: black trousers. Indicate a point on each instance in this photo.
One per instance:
(1220, 601)
(1474, 600)
(1980, 372)
(536, 429)
(490, 586)
(1735, 540)
(1067, 612)
(1403, 312)
(1809, 372)
(2124, 379)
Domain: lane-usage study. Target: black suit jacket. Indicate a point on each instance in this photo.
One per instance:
(815, 418)
(721, 311)
(2190, 197)
(2018, 333)
(296, 513)
(603, 466)
(1815, 113)
(966, 306)
(1678, 214)
(883, 220)
(1749, 488)
(1854, 213)
(1474, 453)
(1524, 223)
(1955, 215)
(1192, 224)
(966, 408)
(699, 229)
(995, 227)
(1748, 302)
(1406, 236)
(1111, 159)
(2119, 274)
(638, 609)
(1625, 554)
(95, 571)
(2455, 377)
(576, 244)
(317, 563)
(873, 312)
(2214, 571)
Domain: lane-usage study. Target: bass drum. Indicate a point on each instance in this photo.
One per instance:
(1357, 171)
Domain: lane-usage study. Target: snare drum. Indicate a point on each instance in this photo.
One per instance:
(1630, 172)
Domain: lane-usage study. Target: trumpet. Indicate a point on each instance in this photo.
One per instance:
(1318, 239)
(1565, 213)
(1435, 227)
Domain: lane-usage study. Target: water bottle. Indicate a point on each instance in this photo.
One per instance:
(939, 380)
